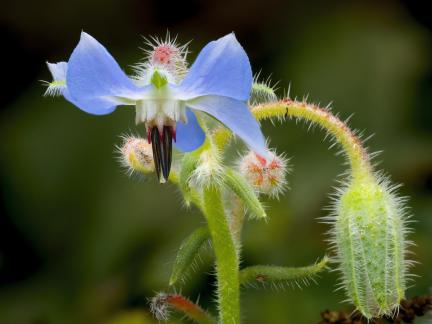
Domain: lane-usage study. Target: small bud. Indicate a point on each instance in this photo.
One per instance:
(136, 155)
(267, 176)
(369, 240)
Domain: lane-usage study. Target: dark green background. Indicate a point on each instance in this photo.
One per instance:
(80, 242)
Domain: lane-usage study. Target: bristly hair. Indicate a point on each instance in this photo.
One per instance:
(263, 91)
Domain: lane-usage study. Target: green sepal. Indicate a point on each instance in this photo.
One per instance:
(276, 274)
(187, 253)
(188, 165)
(245, 192)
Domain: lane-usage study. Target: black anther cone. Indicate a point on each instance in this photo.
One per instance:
(162, 151)
(167, 151)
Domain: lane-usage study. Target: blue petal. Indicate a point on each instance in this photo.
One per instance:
(58, 70)
(236, 116)
(92, 106)
(222, 68)
(190, 136)
(95, 81)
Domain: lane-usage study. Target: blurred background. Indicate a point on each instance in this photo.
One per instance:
(81, 242)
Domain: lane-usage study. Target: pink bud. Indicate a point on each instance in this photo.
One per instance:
(267, 176)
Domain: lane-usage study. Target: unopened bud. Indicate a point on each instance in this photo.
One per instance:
(266, 175)
(369, 239)
(136, 155)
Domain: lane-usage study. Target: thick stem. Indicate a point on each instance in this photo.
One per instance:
(227, 262)
(351, 144)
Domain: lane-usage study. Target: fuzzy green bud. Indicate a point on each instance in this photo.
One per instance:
(136, 155)
(369, 238)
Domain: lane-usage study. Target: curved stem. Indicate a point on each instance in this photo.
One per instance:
(227, 262)
(351, 144)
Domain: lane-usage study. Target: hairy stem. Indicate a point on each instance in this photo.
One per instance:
(227, 262)
(273, 274)
(237, 218)
(351, 144)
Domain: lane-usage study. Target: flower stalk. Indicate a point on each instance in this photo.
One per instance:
(227, 260)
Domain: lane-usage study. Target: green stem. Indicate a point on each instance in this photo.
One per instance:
(237, 219)
(275, 274)
(227, 262)
(351, 144)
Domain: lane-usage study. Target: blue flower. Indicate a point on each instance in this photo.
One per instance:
(218, 83)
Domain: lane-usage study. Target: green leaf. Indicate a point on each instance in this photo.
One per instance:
(187, 253)
(245, 192)
(275, 274)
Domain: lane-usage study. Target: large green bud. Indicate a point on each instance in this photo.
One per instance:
(368, 235)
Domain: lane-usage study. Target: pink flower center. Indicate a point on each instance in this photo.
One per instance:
(163, 54)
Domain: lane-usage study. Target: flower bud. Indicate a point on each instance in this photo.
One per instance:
(136, 155)
(369, 239)
(267, 176)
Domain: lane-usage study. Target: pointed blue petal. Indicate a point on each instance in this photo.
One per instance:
(190, 136)
(221, 68)
(94, 79)
(236, 116)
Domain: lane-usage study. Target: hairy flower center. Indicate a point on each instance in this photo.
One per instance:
(160, 114)
(164, 54)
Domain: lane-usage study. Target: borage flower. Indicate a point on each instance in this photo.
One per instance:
(218, 83)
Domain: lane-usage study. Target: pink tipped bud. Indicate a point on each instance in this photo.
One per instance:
(136, 154)
(267, 176)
